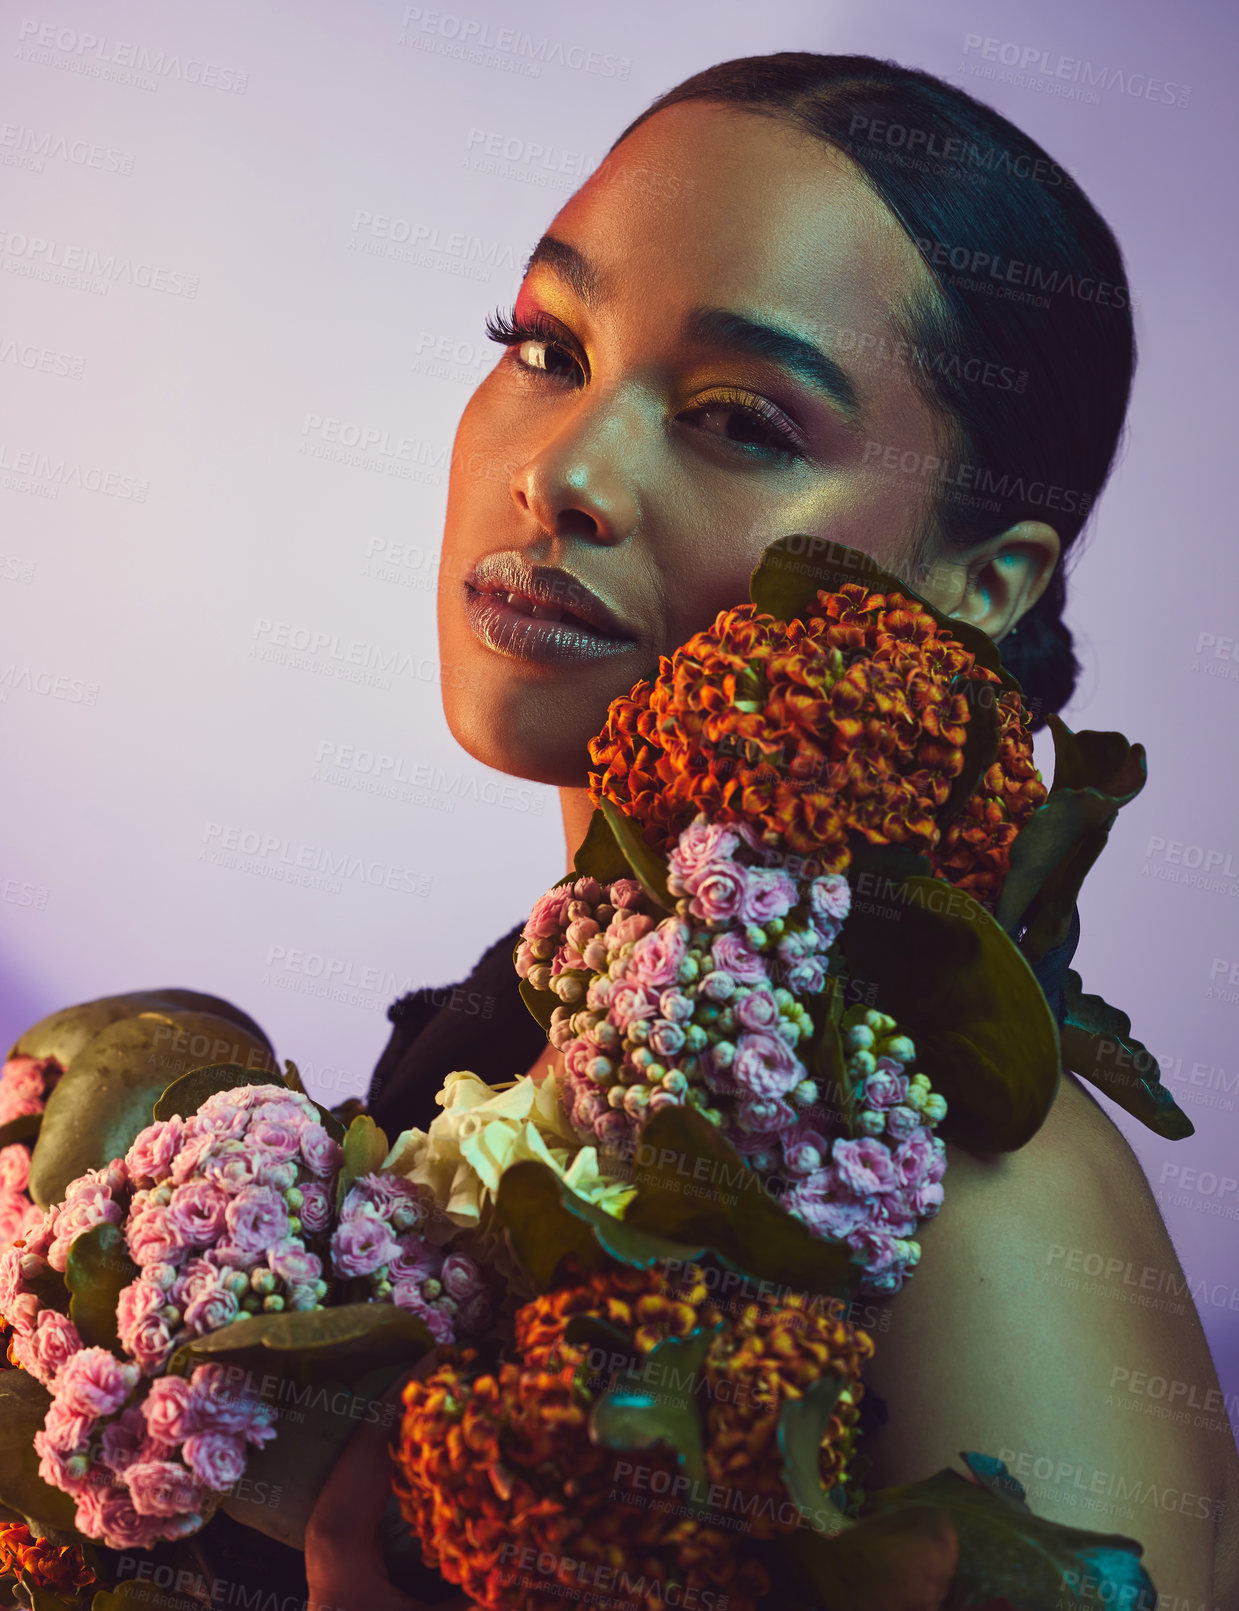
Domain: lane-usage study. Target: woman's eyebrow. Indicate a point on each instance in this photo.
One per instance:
(722, 327)
(715, 327)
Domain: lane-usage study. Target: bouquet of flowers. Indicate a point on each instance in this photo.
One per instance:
(819, 926)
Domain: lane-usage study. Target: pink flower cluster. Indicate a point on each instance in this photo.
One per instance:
(25, 1085)
(218, 1222)
(871, 1188)
(377, 1237)
(216, 1210)
(142, 1467)
(708, 1007)
(704, 1007)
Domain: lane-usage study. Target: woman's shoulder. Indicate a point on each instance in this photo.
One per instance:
(1049, 1323)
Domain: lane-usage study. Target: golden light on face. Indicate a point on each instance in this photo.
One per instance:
(675, 394)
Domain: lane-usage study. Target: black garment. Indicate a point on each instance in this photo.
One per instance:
(480, 1024)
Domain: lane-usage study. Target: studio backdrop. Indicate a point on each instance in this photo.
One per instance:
(247, 252)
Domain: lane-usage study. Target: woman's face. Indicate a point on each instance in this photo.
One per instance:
(684, 399)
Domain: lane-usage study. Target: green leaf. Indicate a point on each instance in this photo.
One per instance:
(541, 1003)
(131, 1595)
(24, 1128)
(187, 1094)
(803, 1423)
(958, 985)
(1009, 1554)
(23, 1404)
(292, 1077)
(884, 1563)
(825, 1060)
(599, 855)
(67, 1031)
(356, 1335)
(365, 1147)
(107, 1093)
(42, 1599)
(1099, 1046)
(648, 868)
(98, 1269)
(546, 1221)
(657, 1404)
(793, 569)
(1095, 774)
(693, 1185)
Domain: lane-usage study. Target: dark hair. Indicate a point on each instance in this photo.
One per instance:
(1025, 349)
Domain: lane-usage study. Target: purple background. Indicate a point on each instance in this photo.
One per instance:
(166, 492)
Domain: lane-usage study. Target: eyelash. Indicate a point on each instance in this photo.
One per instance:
(510, 331)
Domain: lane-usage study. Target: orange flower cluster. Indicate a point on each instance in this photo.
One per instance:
(58, 1568)
(511, 1499)
(853, 720)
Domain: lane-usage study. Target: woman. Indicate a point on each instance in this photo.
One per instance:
(836, 296)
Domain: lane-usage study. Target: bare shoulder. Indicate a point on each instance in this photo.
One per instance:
(1049, 1324)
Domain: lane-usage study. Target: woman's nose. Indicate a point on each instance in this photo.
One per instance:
(580, 483)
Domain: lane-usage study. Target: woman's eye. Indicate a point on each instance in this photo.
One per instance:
(551, 357)
(745, 427)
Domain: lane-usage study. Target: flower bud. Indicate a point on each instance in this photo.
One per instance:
(688, 970)
(695, 1039)
(567, 988)
(432, 1288)
(263, 1281)
(897, 1046)
(935, 1108)
(539, 977)
(272, 1303)
(293, 1197)
(858, 1038)
(869, 1122)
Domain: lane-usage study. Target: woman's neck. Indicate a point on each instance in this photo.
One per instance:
(576, 808)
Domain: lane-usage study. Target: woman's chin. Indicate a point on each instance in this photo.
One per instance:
(540, 757)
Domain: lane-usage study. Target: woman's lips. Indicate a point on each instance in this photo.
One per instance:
(524, 629)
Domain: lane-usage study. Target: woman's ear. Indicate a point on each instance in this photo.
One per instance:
(994, 583)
